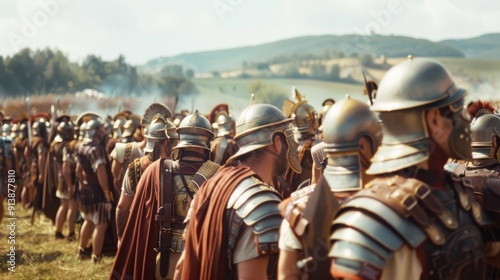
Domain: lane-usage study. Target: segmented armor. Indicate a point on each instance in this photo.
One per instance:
(92, 198)
(394, 211)
(253, 205)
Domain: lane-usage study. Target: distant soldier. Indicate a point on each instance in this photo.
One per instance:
(22, 161)
(223, 146)
(108, 126)
(96, 194)
(118, 123)
(125, 151)
(351, 138)
(65, 192)
(38, 158)
(6, 165)
(305, 122)
(317, 153)
(153, 238)
(160, 139)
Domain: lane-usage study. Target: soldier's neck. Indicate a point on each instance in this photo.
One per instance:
(264, 170)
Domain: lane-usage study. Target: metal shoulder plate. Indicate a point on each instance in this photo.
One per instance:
(318, 155)
(255, 204)
(479, 193)
(119, 152)
(380, 219)
(293, 207)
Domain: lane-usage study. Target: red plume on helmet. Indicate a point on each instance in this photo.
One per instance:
(222, 108)
(474, 107)
(38, 116)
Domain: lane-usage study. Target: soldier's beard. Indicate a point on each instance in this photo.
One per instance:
(281, 163)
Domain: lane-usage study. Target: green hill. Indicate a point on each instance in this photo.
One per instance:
(227, 59)
(484, 46)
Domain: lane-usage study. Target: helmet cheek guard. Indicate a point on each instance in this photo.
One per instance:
(292, 155)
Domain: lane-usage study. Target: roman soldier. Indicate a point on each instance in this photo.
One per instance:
(416, 219)
(223, 146)
(152, 241)
(351, 137)
(305, 122)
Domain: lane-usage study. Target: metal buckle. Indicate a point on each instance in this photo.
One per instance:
(409, 202)
(422, 191)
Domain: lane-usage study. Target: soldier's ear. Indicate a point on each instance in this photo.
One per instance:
(436, 125)
(278, 142)
(366, 146)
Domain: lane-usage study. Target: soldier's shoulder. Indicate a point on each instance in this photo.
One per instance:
(255, 204)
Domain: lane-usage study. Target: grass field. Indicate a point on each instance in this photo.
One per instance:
(40, 256)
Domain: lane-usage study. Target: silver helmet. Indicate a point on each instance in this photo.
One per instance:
(129, 129)
(483, 129)
(225, 125)
(118, 127)
(65, 131)
(93, 130)
(404, 95)
(346, 122)
(195, 131)
(40, 127)
(305, 117)
(155, 133)
(256, 127)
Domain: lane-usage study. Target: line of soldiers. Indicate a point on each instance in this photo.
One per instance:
(405, 186)
(387, 205)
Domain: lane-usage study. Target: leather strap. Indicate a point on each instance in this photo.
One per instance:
(128, 152)
(164, 216)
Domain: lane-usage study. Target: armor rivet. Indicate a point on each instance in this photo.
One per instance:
(465, 232)
(263, 252)
(461, 136)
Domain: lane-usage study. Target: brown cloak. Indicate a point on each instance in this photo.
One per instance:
(135, 258)
(205, 253)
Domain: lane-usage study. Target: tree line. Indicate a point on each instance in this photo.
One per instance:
(36, 72)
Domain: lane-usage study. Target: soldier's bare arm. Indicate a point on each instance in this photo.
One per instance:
(79, 172)
(122, 212)
(116, 169)
(287, 265)
(102, 176)
(178, 268)
(253, 268)
(67, 178)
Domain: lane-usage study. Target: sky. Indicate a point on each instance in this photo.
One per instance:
(144, 30)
